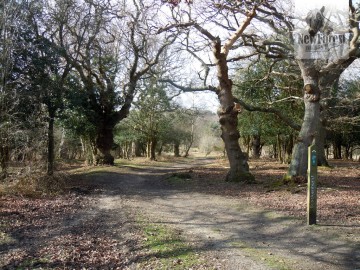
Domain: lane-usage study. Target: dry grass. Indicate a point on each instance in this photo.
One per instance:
(34, 185)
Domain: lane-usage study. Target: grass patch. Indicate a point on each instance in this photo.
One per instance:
(6, 239)
(33, 264)
(132, 163)
(167, 249)
(179, 178)
(97, 171)
(270, 259)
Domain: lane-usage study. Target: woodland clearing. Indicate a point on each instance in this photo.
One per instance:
(178, 213)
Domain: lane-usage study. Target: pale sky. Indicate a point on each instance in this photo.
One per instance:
(336, 12)
(306, 5)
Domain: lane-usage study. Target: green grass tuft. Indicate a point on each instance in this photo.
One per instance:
(167, 248)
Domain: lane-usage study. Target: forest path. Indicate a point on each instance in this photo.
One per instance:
(231, 232)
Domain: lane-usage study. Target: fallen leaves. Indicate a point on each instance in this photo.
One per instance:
(338, 191)
(64, 232)
(55, 233)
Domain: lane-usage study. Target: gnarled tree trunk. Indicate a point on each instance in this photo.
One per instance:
(239, 168)
(104, 143)
(310, 126)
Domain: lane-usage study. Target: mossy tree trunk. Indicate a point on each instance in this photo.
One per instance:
(104, 143)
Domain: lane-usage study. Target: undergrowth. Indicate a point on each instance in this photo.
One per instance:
(34, 185)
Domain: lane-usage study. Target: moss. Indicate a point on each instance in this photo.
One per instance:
(293, 179)
(179, 178)
(240, 177)
(6, 239)
(167, 247)
(176, 180)
(287, 178)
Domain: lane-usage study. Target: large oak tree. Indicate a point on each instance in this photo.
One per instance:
(111, 47)
(222, 27)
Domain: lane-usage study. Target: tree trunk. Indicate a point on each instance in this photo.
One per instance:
(347, 152)
(63, 153)
(104, 143)
(320, 145)
(327, 82)
(188, 147)
(89, 150)
(247, 141)
(310, 125)
(289, 145)
(239, 168)
(153, 144)
(83, 147)
(191, 139)
(4, 161)
(177, 149)
(278, 145)
(51, 146)
(126, 150)
(160, 149)
(255, 147)
(337, 147)
(327, 152)
(138, 149)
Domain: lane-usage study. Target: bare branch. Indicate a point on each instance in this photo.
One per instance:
(176, 26)
(189, 88)
(231, 40)
(278, 113)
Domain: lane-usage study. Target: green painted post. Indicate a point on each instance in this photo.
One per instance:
(312, 185)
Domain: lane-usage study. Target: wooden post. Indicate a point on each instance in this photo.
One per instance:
(312, 185)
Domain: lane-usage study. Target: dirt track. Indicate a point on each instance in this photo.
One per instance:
(99, 229)
(238, 235)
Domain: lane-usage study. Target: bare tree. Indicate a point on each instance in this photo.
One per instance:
(318, 75)
(274, 39)
(206, 23)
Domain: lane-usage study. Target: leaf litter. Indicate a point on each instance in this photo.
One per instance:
(59, 233)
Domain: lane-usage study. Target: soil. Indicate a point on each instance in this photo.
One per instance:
(227, 225)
